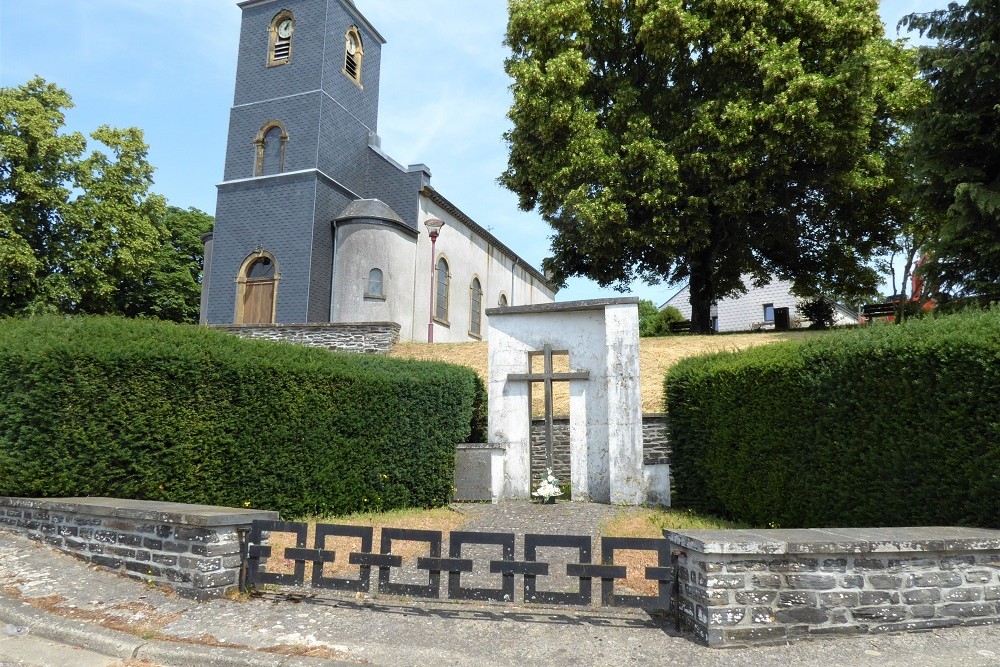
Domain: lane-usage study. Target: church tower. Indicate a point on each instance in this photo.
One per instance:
(315, 223)
(302, 147)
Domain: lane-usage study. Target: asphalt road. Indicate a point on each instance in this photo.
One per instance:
(31, 651)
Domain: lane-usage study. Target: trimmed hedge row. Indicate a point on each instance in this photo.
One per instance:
(882, 426)
(148, 410)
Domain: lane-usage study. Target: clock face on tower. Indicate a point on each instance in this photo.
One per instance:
(352, 45)
(285, 29)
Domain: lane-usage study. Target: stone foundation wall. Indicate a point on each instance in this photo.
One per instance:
(370, 337)
(193, 549)
(774, 586)
(655, 447)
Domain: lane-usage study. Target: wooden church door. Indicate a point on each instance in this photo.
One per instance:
(258, 296)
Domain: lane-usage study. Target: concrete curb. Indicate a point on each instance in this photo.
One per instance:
(115, 644)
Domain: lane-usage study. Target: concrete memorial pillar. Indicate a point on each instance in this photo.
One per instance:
(601, 338)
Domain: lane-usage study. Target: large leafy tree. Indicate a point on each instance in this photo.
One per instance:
(170, 289)
(74, 227)
(706, 139)
(956, 148)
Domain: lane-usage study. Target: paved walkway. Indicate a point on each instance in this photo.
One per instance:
(64, 600)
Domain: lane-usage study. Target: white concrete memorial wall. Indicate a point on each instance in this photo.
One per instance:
(601, 338)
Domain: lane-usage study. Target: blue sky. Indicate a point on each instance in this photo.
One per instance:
(168, 67)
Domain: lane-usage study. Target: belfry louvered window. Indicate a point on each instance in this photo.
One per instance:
(279, 50)
(353, 53)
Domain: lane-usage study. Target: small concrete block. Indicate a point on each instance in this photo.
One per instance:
(107, 561)
(957, 562)
(885, 582)
(838, 599)
(834, 565)
(886, 613)
(967, 594)
(214, 579)
(873, 598)
(216, 549)
(130, 540)
(726, 581)
(808, 615)
(967, 609)
(726, 616)
(755, 635)
(796, 599)
(912, 563)
(793, 565)
(934, 579)
(754, 596)
(868, 564)
(144, 569)
(120, 551)
(765, 581)
(175, 547)
(811, 581)
(747, 566)
(978, 577)
(922, 596)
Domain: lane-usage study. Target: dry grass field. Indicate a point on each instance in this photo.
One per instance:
(656, 355)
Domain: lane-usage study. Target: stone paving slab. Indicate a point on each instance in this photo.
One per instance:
(146, 510)
(837, 540)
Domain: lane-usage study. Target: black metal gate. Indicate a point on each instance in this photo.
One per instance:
(529, 567)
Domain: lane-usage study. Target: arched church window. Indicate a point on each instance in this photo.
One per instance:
(353, 53)
(475, 308)
(279, 38)
(375, 286)
(441, 294)
(270, 143)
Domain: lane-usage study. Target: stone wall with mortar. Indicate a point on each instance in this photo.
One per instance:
(655, 447)
(193, 549)
(774, 586)
(371, 337)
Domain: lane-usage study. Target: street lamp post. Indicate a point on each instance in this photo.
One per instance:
(434, 226)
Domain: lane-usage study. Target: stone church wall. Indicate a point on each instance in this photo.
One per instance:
(370, 337)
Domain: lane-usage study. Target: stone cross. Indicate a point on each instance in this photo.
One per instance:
(547, 376)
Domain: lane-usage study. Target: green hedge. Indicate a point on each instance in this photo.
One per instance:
(886, 425)
(147, 410)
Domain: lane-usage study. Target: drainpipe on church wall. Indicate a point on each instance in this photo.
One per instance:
(434, 226)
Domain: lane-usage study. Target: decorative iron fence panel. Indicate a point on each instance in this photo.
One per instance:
(466, 558)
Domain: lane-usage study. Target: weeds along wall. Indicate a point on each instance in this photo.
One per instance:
(147, 410)
(882, 426)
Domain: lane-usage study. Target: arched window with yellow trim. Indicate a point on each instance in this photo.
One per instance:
(270, 144)
(354, 51)
(476, 308)
(441, 293)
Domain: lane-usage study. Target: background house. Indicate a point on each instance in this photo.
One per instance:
(755, 309)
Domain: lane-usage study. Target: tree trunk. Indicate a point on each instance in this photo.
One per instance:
(702, 294)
